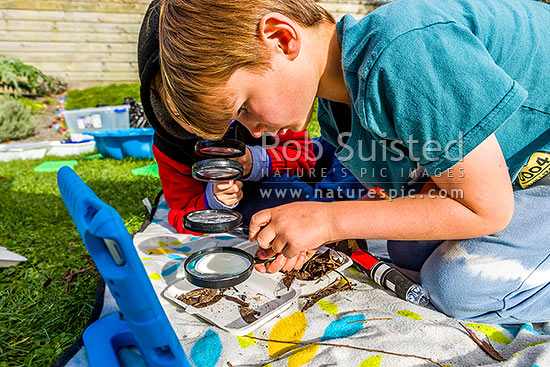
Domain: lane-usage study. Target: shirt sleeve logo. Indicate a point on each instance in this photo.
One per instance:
(536, 168)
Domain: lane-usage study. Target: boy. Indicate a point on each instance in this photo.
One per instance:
(174, 149)
(442, 104)
(283, 157)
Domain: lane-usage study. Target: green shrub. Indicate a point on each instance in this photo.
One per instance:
(15, 120)
(313, 128)
(17, 77)
(111, 95)
(34, 106)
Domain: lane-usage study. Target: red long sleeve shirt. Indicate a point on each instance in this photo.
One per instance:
(184, 194)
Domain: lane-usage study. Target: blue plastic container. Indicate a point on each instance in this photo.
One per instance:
(122, 143)
(96, 119)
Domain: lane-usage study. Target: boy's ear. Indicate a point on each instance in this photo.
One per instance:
(280, 34)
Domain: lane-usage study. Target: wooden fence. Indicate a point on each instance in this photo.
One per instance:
(93, 42)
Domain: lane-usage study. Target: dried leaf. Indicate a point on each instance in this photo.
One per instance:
(316, 267)
(200, 298)
(236, 300)
(248, 314)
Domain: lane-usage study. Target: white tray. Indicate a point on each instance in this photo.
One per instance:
(264, 294)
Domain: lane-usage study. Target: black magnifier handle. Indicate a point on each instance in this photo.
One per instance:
(241, 229)
(260, 261)
(265, 261)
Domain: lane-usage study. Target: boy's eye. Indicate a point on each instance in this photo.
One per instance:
(242, 110)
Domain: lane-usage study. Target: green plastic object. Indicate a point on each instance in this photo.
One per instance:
(151, 170)
(54, 166)
(94, 156)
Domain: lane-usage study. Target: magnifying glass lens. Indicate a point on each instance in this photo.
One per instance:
(217, 170)
(218, 151)
(218, 173)
(212, 220)
(218, 267)
(227, 148)
(212, 217)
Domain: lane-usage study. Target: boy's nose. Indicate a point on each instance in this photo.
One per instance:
(256, 130)
(255, 127)
(257, 133)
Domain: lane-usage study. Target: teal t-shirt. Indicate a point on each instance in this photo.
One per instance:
(430, 80)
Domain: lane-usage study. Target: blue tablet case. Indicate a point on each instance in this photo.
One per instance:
(143, 320)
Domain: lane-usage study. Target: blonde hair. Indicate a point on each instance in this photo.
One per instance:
(203, 42)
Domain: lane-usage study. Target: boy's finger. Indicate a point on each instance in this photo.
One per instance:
(263, 254)
(233, 189)
(261, 268)
(257, 221)
(290, 251)
(277, 264)
(290, 263)
(231, 201)
(266, 236)
(222, 186)
(278, 244)
(301, 259)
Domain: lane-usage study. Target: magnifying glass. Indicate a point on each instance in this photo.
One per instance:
(220, 267)
(212, 220)
(226, 148)
(217, 170)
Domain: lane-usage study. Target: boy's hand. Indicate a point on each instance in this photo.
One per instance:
(282, 263)
(293, 228)
(228, 193)
(246, 161)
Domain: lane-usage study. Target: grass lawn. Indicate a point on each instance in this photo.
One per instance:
(112, 95)
(38, 318)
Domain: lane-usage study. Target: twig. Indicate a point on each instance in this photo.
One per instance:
(314, 268)
(347, 346)
(487, 348)
(342, 275)
(71, 275)
(327, 291)
(381, 318)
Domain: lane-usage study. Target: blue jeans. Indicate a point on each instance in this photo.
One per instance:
(500, 278)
